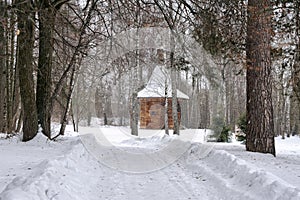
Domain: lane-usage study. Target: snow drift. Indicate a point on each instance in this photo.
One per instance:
(201, 173)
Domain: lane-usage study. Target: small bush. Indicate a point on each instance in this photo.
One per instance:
(242, 124)
(224, 136)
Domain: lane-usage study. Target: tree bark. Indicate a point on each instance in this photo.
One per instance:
(2, 69)
(174, 99)
(9, 76)
(174, 86)
(99, 102)
(166, 119)
(44, 80)
(295, 97)
(25, 68)
(136, 82)
(260, 126)
(134, 108)
(69, 99)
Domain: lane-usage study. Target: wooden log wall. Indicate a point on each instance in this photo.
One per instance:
(152, 112)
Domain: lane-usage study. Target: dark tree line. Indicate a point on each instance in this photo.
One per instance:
(33, 49)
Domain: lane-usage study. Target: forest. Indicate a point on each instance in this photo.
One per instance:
(58, 64)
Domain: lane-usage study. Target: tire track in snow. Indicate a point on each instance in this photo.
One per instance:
(178, 181)
(239, 177)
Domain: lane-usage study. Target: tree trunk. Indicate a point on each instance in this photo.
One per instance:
(2, 69)
(44, 80)
(9, 77)
(295, 98)
(260, 126)
(20, 120)
(174, 102)
(166, 118)
(16, 102)
(68, 103)
(134, 124)
(135, 103)
(294, 114)
(13, 93)
(99, 103)
(174, 86)
(108, 106)
(25, 68)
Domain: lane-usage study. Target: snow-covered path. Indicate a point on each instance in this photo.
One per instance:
(174, 182)
(197, 174)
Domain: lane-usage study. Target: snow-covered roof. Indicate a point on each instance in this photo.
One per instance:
(156, 85)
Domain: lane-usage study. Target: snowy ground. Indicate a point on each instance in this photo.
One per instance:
(152, 166)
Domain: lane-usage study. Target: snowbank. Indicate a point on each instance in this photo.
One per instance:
(243, 177)
(200, 173)
(60, 178)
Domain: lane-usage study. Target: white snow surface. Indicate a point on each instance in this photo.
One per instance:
(159, 80)
(64, 169)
